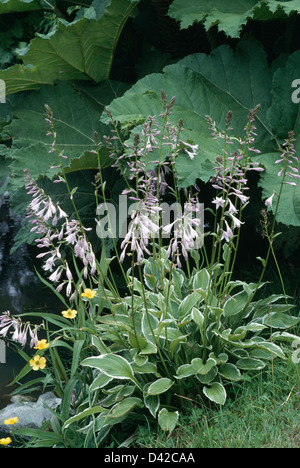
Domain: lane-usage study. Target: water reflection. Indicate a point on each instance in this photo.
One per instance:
(20, 289)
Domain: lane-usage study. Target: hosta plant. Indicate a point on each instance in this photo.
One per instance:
(178, 328)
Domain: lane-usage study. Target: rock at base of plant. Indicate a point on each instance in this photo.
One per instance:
(31, 414)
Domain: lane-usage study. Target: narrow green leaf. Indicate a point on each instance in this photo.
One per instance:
(83, 414)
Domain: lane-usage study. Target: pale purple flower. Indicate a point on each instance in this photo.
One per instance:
(141, 229)
(190, 150)
(185, 232)
(232, 208)
(219, 202)
(20, 329)
(228, 234)
(236, 222)
(269, 200)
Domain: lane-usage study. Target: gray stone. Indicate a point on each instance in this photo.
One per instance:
(31, 414)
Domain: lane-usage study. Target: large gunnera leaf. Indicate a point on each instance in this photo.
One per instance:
(15, 6)
(81, 50)
(204, 84)
(76, 114)
(214, 84)
(229, 15)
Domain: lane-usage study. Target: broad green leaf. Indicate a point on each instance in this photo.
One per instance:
(230, 15)
(209, 377)
(250, 364)
(235, 304)
(146, 368)
(289, 205)
(184, 371)
(283, 114)
(100, 381)
(167, 420)
(280, 320)
(160, 386)
(227, 337)
(284, 336)
(202, 368)
(152, 402)
(15, 6)
(214, 84)
(201, 279)
(217, 83)
(230, 372)
(198, 317)
(137, 341)
(81, 50)
(188, 303)
(216, 393)
(111, 365)
(124, 407)
(273, 349)
(75, 132)
(222, 358)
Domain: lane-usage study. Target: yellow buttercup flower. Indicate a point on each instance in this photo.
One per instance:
(11, 421)
(37, 363)
(5, 441)
(89, 293)
(42, 344)
(70, 314)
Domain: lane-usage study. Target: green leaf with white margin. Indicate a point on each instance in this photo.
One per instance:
(230, 372)
(230, 16)
(250, 364)
(111, 365)
(189, 302)
(184, 371)
(81, 50)
(202, 368)
(216, 393)
(160, 386)
(84, 414)
(205, 84)
(235, 304)
(152, 402)
(201, 279)
(273, 349)
(280, 320)
(124, 407)
(167, 420)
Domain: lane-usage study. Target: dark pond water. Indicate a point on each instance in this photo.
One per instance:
(20, 289)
